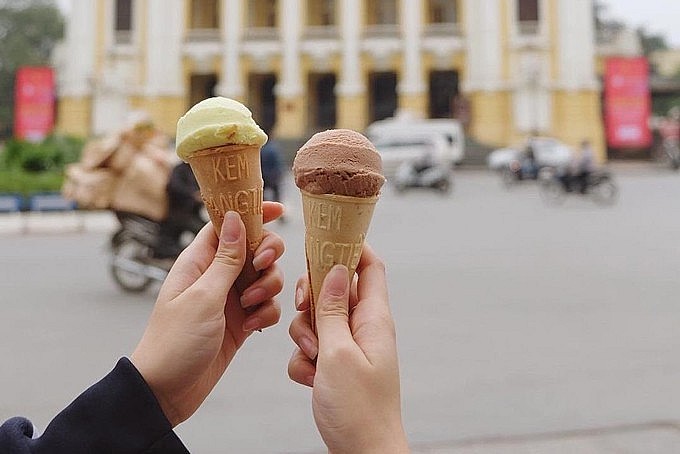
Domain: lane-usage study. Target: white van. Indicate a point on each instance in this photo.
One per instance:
(401, 128)
(399, 147)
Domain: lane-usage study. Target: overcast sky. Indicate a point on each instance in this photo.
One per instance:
(657, 16)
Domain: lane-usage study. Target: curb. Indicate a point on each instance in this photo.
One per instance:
(77, 221)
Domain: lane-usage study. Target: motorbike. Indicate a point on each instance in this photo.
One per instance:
(132, 264)
(598, 185)
(668, 154)
(412, 175)
(522, 170)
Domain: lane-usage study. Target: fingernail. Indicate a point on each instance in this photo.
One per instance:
(231, 229)
(309, 347)
(263, 259)
(337, 281)
(299, 297)
(252, 296)
(252, 324)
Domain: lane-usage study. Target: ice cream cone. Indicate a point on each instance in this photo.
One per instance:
(230, 179)
(335, 229)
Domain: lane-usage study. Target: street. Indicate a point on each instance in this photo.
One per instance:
(513, 318)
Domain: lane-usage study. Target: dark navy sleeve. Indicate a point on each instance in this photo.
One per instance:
(119, 414)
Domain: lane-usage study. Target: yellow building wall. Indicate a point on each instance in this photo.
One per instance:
(164, 110)
(578, 116)
(491, 117)
(73, 117)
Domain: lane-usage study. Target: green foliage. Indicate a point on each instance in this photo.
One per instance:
(29, 30)
(27, 183)
(28, 167)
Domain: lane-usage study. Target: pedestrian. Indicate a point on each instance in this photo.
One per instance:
(198, 324)
(272, 168)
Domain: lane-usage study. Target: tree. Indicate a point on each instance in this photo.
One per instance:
(29, 30)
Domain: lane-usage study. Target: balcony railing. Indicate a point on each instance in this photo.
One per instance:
(321, 32)
(529, 28)
(443, 29)
(381, 31)
(203, 35)
(261, 33)
(122, 37)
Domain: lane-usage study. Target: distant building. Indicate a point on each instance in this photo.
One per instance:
(507, 68)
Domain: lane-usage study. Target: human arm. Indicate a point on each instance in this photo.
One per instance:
(199, 321)
(352, 365)
(197, 325)
(117, 414)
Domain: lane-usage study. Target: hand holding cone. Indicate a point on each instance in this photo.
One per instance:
(339, 173)
(220, 140)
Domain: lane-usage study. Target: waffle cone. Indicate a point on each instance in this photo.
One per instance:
(230, 179)
(335, 229)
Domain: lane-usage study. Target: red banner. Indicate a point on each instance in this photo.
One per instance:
(34, 95)
(627, 102)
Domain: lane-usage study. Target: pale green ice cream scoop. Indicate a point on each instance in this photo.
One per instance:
(215, 122)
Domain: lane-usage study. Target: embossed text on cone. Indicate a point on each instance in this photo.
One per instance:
(230, 179)
(335, 230)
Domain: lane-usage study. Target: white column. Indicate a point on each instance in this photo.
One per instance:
(576, 44)
(484, 53)
(165, 22)
(290, 84)
(230, 84)
(80, 42)
(351, 82)
(411, 76)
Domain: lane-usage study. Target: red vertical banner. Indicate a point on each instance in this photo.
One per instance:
(627, 102)
(34, 95)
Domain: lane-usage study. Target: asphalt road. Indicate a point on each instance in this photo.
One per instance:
(513, 318)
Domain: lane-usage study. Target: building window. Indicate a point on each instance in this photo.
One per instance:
(123, 15)
(381, 12)
(320, 12)
(123, 22)
(528, 16)
(442, 12)
(204, 14)
(262, 13)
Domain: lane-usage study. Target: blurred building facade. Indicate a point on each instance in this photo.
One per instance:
(506, 68)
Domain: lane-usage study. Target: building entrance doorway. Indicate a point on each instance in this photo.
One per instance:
(202, 86)
(261, 99)
(322, 101)
(382, 95)
(443, 92)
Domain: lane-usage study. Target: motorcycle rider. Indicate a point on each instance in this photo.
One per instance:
(584, 165)
(184, 215)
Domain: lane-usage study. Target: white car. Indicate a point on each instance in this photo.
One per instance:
(547, 151)
(396, 149)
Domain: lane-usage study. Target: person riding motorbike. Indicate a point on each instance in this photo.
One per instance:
(576, 175)
(184, 215)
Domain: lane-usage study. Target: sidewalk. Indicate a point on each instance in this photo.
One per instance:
(651, 438)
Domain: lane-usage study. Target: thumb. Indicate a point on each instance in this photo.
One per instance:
(332, 310)
(229, 257)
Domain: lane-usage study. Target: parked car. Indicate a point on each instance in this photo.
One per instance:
(548, 152)
(406, 127)
(407, 147)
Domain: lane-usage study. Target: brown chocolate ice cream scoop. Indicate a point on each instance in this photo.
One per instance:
(339, 161)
